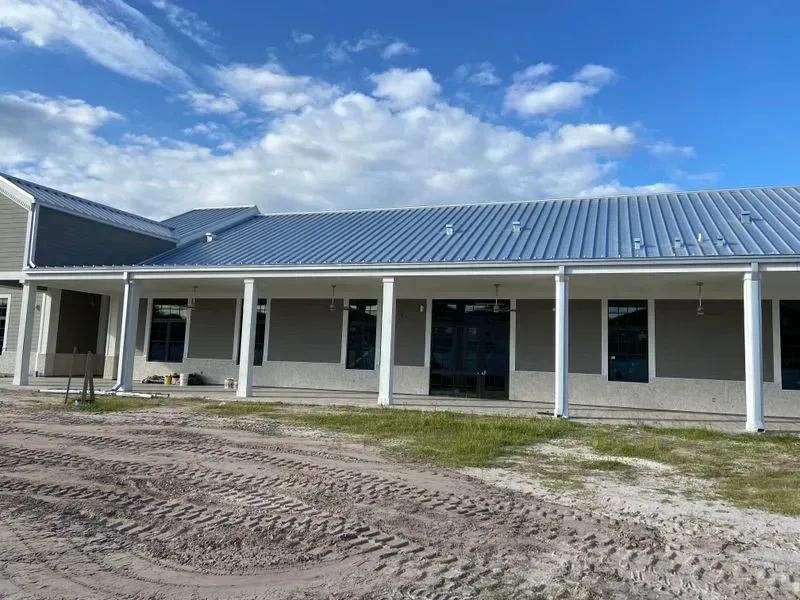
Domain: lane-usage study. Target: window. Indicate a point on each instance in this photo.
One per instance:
(361, 334)
(167, 331)
(261, 332)
(4, 316)
(627, 340)
(790, 344)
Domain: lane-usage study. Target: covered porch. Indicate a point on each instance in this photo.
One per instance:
(627, 344)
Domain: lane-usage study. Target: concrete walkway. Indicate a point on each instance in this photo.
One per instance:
(578, 412)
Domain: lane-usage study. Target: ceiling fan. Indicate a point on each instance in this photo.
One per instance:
(498, 308)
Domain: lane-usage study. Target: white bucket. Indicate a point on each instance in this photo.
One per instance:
(184, 379)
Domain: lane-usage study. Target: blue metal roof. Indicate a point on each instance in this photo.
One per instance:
(202, 220)
(695, 225)
(58, 200)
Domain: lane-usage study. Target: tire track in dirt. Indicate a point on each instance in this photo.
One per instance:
(377, 489)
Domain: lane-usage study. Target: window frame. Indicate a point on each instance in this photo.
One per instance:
(6, 323)
(646, 354)
(181, 302)
(260, 303)
(359, 307)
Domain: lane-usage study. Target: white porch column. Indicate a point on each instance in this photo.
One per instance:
(562, 345)
(386, 365)
(754, 381)
(248, 339)
(127, 341)
(112, 337)
(26, 316)
(48, 331)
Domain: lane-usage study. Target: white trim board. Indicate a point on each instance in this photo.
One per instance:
(777, 370)
(6, 325)
(651, 339)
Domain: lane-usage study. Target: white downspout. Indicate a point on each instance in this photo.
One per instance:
(32, 238)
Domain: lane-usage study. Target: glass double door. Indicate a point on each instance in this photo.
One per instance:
(470, 349)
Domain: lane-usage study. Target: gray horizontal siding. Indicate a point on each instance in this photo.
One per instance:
(305, 330)
(78, 323)
(707, 347)
(409, 342)
(65, 240)
(211, 329)
(13, 226)
(535, 350)
(13, 316)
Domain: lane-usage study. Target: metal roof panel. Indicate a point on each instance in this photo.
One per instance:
(551, 230)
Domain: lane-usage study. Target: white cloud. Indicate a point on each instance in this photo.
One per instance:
(299, 37)
(669, 150)
(703, 178)
(340, 51)
(480, 74)
(100, 35)
(273, 88)
(396, 49)
(594, 74)
(208, 129)
(535, 71)
(404, 88)
(189, 24)
(532, 95)
(204, 103)
(350, 151)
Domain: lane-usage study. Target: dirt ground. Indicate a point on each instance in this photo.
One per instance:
(166, 503)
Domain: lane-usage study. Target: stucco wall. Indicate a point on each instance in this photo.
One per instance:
(709, 346)
(212, 328)
(305, 330)
(535, 344)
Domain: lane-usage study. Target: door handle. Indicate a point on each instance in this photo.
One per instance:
(482, 372)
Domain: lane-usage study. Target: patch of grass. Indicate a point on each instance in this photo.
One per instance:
(605, 465)
(449, 438)
(242, 409)
(758, 471)
(103, 405)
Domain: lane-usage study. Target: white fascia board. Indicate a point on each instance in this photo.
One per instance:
(411, 270)
(14, 276)
(16, 194)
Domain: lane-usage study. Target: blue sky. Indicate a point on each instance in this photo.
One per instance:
(161, 105)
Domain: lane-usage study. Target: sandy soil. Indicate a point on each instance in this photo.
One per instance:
(168, 504)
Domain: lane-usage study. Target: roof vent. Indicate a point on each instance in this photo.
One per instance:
(448, 229)
(516, 227)
(209, 236)
(637, 243)
(677, 243)
(699, 237)
(746, 218)
(720, 241)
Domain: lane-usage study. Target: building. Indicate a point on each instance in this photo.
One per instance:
(684, 300)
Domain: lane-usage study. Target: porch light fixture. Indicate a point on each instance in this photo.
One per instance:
(193, 300)
(700, 310)
(332, 305)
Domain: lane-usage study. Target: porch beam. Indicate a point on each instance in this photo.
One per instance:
(562, 346)
(27, 313)
(386, 365)
(754, 380)
(127, 338)
(247, 351)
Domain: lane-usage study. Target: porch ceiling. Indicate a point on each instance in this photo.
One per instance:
(716, 285)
